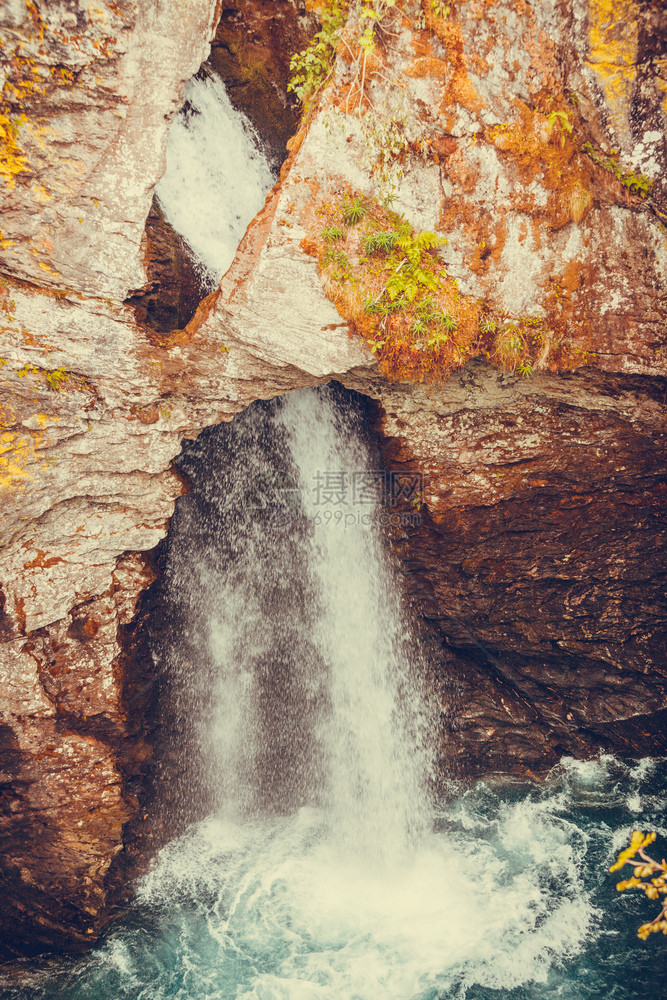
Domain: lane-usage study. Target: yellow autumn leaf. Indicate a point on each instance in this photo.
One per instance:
(637, 843)
(630, 883)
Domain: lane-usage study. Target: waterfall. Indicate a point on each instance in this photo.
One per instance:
(298, 656)
(323, 870)
(375, 738)
(217, 176)
(316, 693)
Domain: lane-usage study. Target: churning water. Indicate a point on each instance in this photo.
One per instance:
(506, 898)
(325, 870)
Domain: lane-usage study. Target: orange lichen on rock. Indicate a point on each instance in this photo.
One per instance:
(543, 145)
(459, 88)
(41, 561)
(428, 66)
(567, 315)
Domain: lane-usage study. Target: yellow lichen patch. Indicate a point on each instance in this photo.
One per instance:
(29, 78)
(16, 454)
(40, 193)
(613, 33)
(41, 134)
(12, 160)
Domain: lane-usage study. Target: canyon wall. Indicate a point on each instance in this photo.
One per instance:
(538, 559)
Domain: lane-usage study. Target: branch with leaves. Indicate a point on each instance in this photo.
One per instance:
(645, 867)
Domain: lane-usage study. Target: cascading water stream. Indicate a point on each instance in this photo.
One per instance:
(217, 176)
(319, 872)
(374, 738)
(324, 870)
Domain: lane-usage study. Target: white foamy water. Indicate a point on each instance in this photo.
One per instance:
(291, 918)
(507, 897)
(325, 873)
(217, 175)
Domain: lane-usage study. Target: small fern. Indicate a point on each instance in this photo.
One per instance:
(333, 234)
(354, 210)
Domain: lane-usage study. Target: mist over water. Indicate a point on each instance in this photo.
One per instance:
(507, 897)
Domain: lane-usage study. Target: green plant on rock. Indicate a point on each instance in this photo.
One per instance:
(385, 145)
(563, 120)
(382, 242)
(412, 272)
(439, 8)
(488, 324)
(336, 256)
(396, 291)
(311, 67)
(332, 234)
(520, 345)
(636, 183)
(371, 14)
(56, 379)
(354, 209)
(12, 160)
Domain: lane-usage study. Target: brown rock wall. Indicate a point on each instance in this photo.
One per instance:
(541, 557)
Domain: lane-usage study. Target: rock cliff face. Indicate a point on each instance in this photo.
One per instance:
(538, 558)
